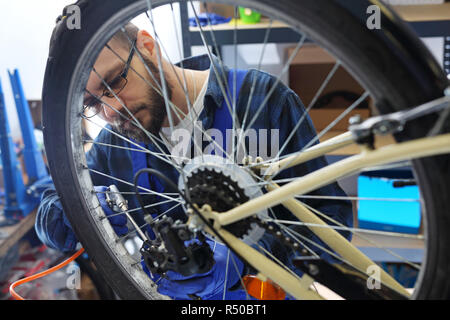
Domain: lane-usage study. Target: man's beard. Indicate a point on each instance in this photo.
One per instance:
(155, 106)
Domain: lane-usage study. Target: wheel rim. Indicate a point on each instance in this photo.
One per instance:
(75, 126)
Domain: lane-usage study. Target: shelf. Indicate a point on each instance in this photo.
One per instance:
(11, 234)
(263, 24)
(424, 13)
(425, 20)
(410, 13)
(224, 34)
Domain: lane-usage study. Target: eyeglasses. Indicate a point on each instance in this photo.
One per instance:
(116, 85)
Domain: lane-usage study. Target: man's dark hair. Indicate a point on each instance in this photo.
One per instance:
(125, 38)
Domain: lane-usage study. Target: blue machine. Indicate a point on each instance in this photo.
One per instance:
(403, 215)
(34, 163)
(20, 199)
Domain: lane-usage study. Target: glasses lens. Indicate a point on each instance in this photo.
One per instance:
(93, 105)
(116, 86)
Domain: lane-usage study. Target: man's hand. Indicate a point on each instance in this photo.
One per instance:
(118, 221)
(209, 285)
(55, 230)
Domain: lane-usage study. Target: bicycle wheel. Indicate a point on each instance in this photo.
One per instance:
(392, 66)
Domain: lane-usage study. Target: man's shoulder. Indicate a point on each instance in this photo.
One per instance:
(264, 81)
(262, 85)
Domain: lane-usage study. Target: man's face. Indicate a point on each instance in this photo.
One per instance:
(138, 96)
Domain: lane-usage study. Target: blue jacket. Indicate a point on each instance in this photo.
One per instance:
(282, 111)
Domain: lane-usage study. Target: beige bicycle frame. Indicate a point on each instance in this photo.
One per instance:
(300, 288)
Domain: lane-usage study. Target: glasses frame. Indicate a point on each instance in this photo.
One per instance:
(122, 75)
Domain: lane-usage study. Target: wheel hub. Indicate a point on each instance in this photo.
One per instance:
(223, 185)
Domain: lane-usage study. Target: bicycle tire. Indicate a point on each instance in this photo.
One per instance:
(394, 76)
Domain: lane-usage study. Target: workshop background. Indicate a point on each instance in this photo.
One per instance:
(25, 29)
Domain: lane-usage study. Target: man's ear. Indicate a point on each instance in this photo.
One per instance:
(146, 43)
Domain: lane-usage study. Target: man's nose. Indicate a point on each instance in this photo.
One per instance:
(112, 108)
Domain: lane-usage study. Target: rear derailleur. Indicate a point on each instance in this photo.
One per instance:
(176, 248)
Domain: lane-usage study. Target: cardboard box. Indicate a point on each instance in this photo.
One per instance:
(223, 10)
(323, 117)
(308, 71)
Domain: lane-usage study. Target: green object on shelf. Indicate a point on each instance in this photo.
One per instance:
(249, 15)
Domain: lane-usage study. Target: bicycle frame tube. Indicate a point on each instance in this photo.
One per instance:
(338, 243)
(284, 195)
(300, 288)
(318, 150)
(367, 158)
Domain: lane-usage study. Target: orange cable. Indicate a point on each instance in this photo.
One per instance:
(41, 274)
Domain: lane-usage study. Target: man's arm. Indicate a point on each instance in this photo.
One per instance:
(52, 226)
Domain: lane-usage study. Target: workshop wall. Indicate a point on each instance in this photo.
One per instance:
(25, 29)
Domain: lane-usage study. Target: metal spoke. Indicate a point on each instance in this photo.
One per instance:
(324, 131)
(287, 230)
(346, 198)
(233, 114)
(175, 108)
(133, 193)
(163, 213)
(240, 277)
(135, 123)
(133, 149)
(161, 87)
(163, 80)
(145, 207)
(148, 134)
(164, 86)
(190, 108)
(134, 143)
(344, 228)
(226, 275)
(339, 118)
(233, 155)
(117, 134)
(221, 85)
(270, 254)
(264, 183)
(158, 89)
(277, 81)
(252, 89)
(216, 47)
(358, 234)
(312, 103)
(137, 230)
(182, 84)
(129, 183)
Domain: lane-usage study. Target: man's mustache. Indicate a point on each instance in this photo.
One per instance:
(121, 120)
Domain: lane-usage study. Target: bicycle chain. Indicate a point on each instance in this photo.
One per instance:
(277, 233)
(221, 192)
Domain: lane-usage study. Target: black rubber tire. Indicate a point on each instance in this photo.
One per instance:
(104, 291)
(393, 65)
